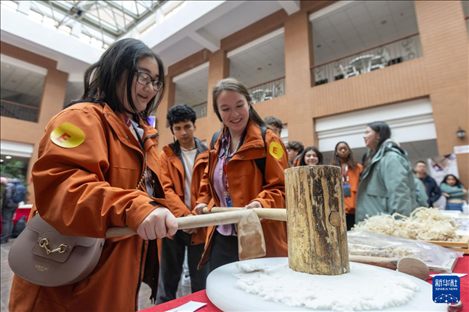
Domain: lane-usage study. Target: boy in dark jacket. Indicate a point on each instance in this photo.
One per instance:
(433, 191)
(182, 166)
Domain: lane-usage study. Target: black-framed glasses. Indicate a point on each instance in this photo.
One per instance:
(145, 79)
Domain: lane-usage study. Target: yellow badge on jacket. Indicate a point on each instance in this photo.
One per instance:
(67, 135)
(276, 150)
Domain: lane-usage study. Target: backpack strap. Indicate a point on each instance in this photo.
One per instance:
(214, 140)
(260, 162)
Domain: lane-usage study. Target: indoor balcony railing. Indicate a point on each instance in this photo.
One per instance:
(268, 90)
(19, 111)
(379, 57)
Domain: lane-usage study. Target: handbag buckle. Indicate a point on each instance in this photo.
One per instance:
(44, 243)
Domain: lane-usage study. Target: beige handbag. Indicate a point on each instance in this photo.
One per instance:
(44, 257)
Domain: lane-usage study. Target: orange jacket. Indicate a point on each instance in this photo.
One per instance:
(173, 174)
(246, 184)
(354, 179)
(83, 191)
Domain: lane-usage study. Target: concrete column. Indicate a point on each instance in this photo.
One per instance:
(166, 103)
(443, 36)
(298, 59)
(219, 68)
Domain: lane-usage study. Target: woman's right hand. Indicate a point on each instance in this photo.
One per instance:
(199, 209)
(157, 224)
(445, 195)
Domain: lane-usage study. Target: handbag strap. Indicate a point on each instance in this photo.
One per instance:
(140, 183)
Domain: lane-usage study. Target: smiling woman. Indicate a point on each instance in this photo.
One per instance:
(98, 167)
(235, 178)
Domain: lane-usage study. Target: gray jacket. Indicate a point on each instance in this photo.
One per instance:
(387, 184)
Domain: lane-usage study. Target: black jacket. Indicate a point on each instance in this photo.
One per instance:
(433, 191)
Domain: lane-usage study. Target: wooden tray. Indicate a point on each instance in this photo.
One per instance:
(461, 245)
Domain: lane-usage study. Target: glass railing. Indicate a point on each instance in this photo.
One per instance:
(19, 111)
(268, 90)
(200, 109)
(379, 57)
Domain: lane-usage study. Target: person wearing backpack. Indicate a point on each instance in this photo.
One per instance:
(15, 193)
(236, 178)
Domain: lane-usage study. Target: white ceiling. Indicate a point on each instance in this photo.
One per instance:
(359, 26)
(16, 80)
(241, 17)
(192, 89)
(261, 63)
(179, 51)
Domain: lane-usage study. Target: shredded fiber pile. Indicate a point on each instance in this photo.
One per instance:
(423, 224)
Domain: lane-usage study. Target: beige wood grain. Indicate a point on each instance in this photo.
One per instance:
(317, 232)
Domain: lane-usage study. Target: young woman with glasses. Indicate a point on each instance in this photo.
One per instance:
(98, 168)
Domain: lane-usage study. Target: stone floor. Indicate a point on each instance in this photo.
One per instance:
(7, 277)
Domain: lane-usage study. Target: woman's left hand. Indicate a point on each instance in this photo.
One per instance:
(254, 204)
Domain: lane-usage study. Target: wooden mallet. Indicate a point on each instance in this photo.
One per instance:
(251, 243)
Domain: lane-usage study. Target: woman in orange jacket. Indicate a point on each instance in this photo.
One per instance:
(343, 157)
(98, 167)
(233, 177)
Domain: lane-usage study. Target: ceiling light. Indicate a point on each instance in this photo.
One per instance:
(1, 160)
(8, 157)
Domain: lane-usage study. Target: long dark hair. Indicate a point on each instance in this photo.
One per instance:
(231, 84)
(382, 129)
(120, 61)
(314, 149)
(351, 162)
(458, 183)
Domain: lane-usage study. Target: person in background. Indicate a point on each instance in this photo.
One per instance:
(454, 191)
(182, 168)
(294, 149)
(9, 207)
(275, 124)
(387, 180)
(431, 187)
(3, 185)
(311, 156)
(233, 178)
(343, 157)
(420, 193)
(98, 167)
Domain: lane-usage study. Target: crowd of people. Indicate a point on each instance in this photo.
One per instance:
(108, 173)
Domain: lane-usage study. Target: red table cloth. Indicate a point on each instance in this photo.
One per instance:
(461, 267)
